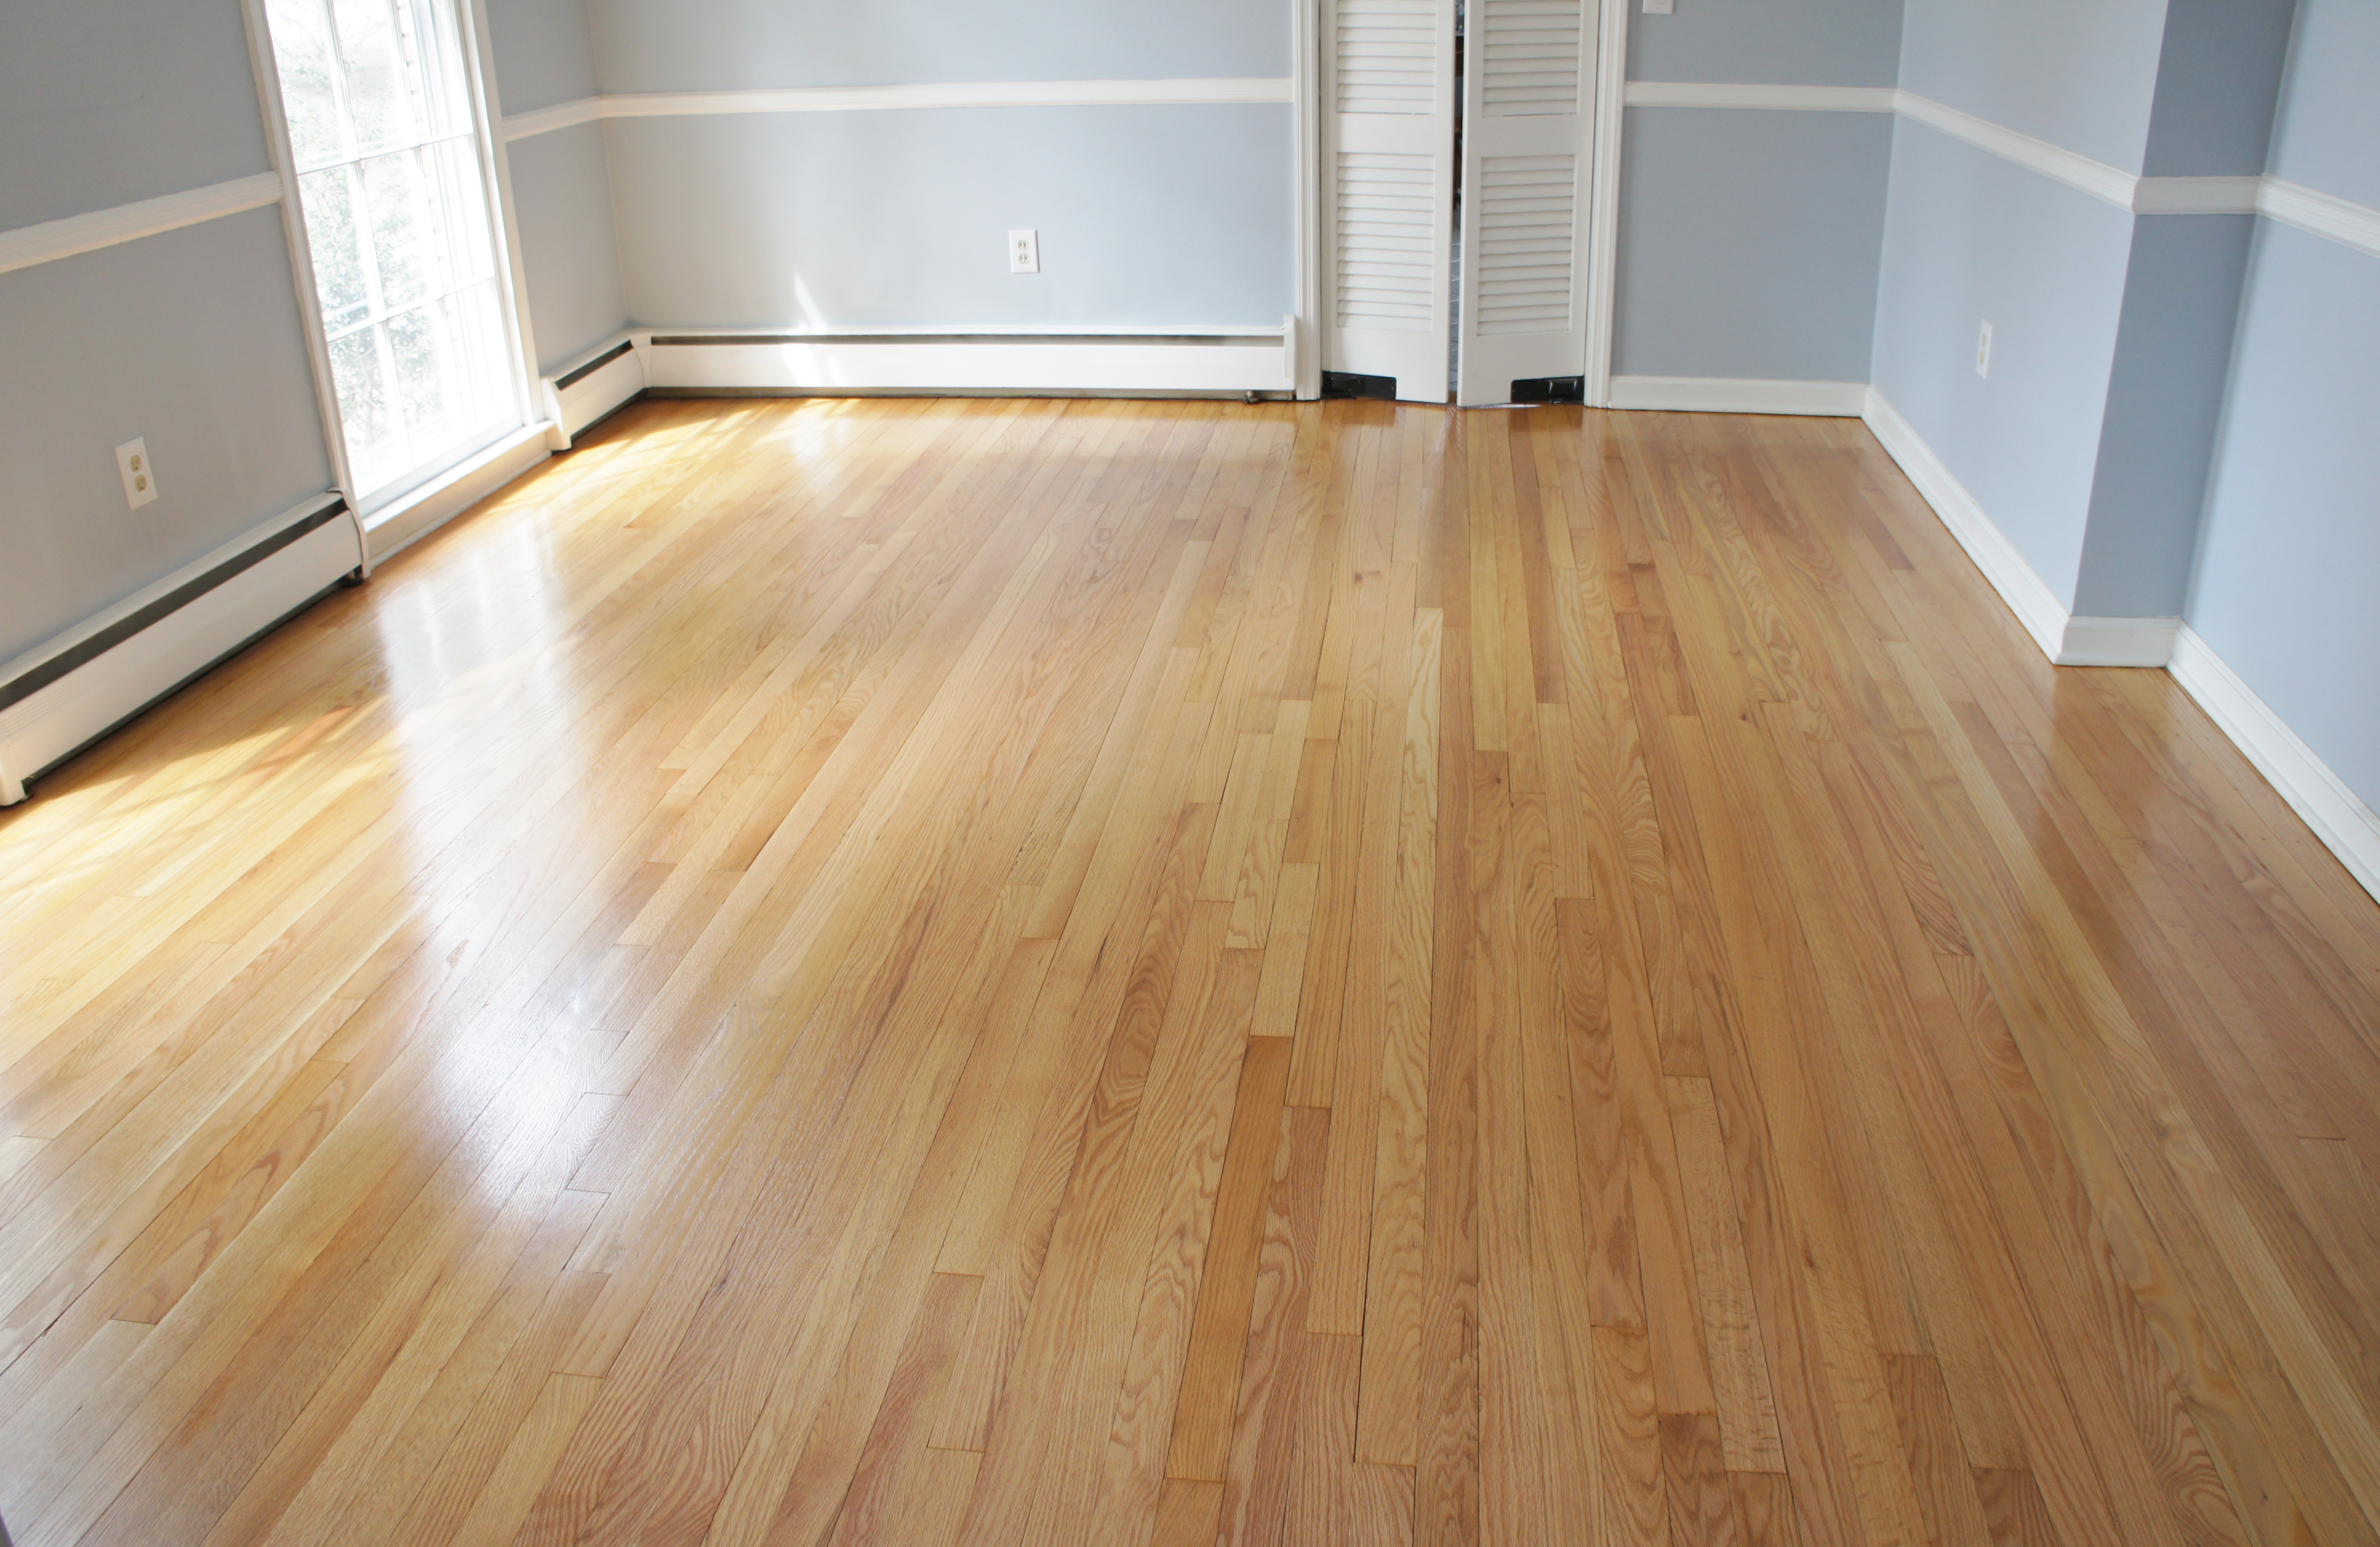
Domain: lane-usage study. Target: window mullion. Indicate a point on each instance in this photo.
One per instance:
(338, 53)
(375, 297)
(386, 353)
(447, 294)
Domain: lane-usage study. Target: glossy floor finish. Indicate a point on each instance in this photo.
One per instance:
(1094, 972)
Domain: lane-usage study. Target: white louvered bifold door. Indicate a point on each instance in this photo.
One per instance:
(1388, 216)
(1527, 132)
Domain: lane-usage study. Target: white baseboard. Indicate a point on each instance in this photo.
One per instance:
(394, 528)
(2027, 594)
(76, 688)
(1186, 361)
(591, 386)
(2337, 815)
(2117, 641)
(1726, 394)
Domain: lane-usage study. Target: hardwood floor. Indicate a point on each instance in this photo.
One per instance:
(1096, 972)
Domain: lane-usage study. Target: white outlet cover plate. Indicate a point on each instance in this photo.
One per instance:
(140, 478)
(1025, 253)
(1658, 7)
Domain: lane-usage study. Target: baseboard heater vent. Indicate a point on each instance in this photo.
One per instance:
(65, 694)
(1186, 362)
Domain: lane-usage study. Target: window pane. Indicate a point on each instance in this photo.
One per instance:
(448, 361)
(430, 221)
(401, 227)
(437, 53)
(470, 242)
(338, 259)
(378, 99)
(301, 49)
(375, 450)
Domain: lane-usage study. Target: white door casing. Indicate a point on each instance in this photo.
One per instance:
(1528, 172)
(1388, 215)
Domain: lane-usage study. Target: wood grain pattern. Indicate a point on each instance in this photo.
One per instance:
(834, 972)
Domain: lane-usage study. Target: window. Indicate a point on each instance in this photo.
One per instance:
(402, 233)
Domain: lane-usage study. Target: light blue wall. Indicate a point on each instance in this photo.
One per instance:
(1749, 243)
(1970, 238)
(190, 340)
(103, 102)
(1148, 216)
(2289, 567)
(2329, 132)
(1749, 240)
(562, 205)
(2218, 78)
(712, 45)
(2080, 74)
(1790, 43)
(562, 184)
(544, 52)
(2165, 394)
(2289, 561)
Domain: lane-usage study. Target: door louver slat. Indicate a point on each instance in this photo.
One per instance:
(1527, 210)
(1384, 226)
(1387, 55)
(1529, 56)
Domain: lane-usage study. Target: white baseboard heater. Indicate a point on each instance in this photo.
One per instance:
(714, 362)
(64, 694)
(591, 386)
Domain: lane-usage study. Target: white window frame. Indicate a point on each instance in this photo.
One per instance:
(495, 181)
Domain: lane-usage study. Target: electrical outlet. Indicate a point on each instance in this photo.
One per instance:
(1025, 253)
(1660, 7)
(1984, 352)
(140, 478)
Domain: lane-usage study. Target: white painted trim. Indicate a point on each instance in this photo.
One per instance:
(52, 239)
(1068, 361)
(2027, 594)
(2325, 214)
(271, 111)
(48, 725)
(2337, 815)
(2096, 179)
(488, 119)
(1305, 45)
(398, 526)
(1788, 99)
(1721, 395)
(545, 120)
(2117, 641)
(2067, 640)
(1603, 197)
(1200, 91)
(2195, 195)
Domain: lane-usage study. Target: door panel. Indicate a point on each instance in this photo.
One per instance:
(1389, 93)
(1528, 87)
